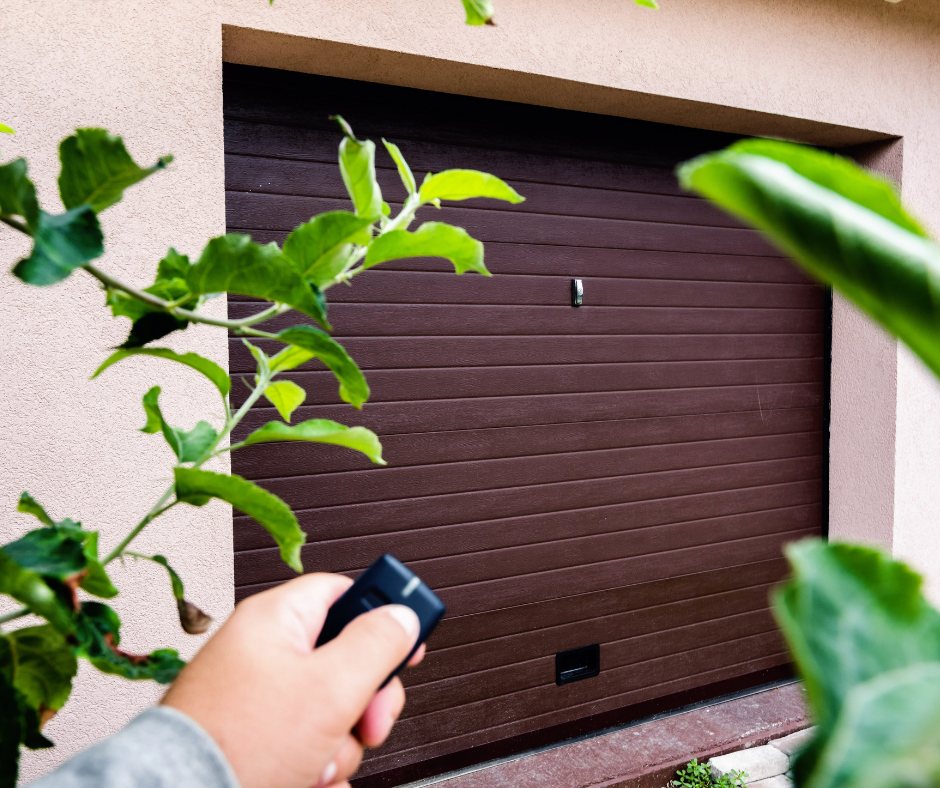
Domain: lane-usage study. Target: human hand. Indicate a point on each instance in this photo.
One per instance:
(281, 711)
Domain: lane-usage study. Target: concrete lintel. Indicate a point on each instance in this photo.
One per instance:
(253, 47)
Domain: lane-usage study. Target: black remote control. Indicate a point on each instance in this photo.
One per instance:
(387, 582)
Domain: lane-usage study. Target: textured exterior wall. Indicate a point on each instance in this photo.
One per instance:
(828, 71)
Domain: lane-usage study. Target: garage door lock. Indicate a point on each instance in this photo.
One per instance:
(577, 292)
(577, 663)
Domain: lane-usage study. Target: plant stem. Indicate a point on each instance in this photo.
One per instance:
(405, 217)
(158, 508)
(14, 615)
(263, 379)
(239, 326)
(15, 224)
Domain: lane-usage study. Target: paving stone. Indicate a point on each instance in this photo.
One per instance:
(648, 755)
(790, 745)
(777, 781)
(757, 763)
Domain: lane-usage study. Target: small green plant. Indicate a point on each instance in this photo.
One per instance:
(53, 570)
(699, 775)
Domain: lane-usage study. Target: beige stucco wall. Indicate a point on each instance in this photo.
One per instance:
(826, 71)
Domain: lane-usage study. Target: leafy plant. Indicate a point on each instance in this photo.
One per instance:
(699, 775)
(47, 568)
(865, 640)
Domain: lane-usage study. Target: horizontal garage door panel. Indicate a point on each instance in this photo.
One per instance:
(490, 630)
(451, 320)
(617, 263)
(253, 140)
(459, 414)
(508, 560)
(346, 542)
(423, 448)
(429, 352)
(659, 620)
(279, 212)
(625, 474)
(406, 287)
(490, 475)
(507, 381)
(324, 181)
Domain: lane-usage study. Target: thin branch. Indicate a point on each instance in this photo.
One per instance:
(15, 224)
(238, 326)
(158, 508)
(401, 222)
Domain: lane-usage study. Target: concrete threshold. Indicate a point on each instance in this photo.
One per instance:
(646, 753)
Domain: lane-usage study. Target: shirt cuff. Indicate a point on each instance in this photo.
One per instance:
(162, 748)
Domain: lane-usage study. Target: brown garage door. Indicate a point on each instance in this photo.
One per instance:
(623, 474)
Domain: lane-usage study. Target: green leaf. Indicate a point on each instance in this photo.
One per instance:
(466, 185)
(170, 285)
(196, 487)
(404, 171)
(352, 383)
(838, 174)
(98, 634)
(646, 3)
(322, 248)
(888, 734)
(431, 239)
(29, 588)
(28, 505)
(187, 446)
(847, 230)
(193, 444)
(96, 169)
(155, 420)
(96, 582)
(173, 266)
(192, 619)
(19, 722)
(49, 552)
(285, 396)
(479, 12)
(61, 244)
(234, 264)
(289, 358)
(151, 327)
(43, 666)
(321, 431)
(6, 129)
(357, 166)
(850, 614)
(260, 357)
(175, 582)
(210, 369)
(17, 193)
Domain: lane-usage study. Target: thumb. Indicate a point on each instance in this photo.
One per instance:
(369, 648)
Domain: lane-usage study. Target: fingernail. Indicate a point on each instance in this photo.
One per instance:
(406, 617)
(328, 774)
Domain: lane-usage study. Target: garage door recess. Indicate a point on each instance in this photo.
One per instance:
(625, 473)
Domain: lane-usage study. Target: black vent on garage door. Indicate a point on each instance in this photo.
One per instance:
(623, 473)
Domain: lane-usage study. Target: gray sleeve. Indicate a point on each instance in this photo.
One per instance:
(162, 748)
